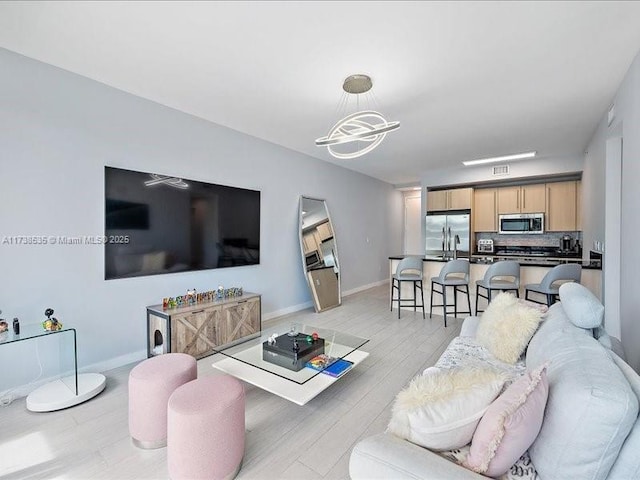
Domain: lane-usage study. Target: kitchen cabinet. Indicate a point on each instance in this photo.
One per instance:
(561, 206)
(324, 231)
(522, 199)
(454, 199)
(484, 210)
(198, 329)
(310, 241)
(579, 205)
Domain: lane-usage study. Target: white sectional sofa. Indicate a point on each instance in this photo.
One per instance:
(590, 428)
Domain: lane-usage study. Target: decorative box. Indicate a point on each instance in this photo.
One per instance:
(282, 353)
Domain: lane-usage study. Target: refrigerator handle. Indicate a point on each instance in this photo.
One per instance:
(443, 239)
(449, 240)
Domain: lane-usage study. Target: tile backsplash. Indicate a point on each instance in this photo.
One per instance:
(549, 239)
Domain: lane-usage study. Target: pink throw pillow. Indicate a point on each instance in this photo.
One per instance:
(510, 425)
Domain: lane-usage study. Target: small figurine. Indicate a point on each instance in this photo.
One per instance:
(51, 324)
(191, 297)
(315, 336)
(220, 292)
(4, 326)
(293, 331)
(272, 339)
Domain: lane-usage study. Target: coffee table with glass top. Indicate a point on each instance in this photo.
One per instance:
(245, 361)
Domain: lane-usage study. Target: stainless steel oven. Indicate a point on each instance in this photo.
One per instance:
(521, 223)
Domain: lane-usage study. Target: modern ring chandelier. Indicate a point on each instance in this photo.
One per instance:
(164, 180)
(362, 131)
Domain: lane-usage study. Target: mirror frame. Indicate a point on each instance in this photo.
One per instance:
(316, 304)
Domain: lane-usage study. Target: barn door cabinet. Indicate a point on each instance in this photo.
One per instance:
(198, 329)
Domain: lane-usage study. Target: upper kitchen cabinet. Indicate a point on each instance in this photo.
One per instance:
(324, 231)
(455, 199)
(562, 206)
(522, 199)
(484, 210)
(578, 205)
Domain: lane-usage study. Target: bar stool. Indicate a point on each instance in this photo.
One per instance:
(506, 268)
(409, 270)
(568, 272)
(455, 268)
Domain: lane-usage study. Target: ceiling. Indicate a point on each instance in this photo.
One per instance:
(465, 79)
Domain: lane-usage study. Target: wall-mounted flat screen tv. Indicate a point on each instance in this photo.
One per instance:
(158, 224)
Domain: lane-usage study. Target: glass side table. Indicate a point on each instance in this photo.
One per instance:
(65, 392)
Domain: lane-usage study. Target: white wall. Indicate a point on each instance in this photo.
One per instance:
(627, 103)
(58, 131)
(593, 188)
(622, 186)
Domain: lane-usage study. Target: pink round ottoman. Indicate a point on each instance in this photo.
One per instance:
(151, 383)
(206, 429)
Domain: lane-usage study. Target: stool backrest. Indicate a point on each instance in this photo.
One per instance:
(410, 263)
(570, 272)
(453, 267)
(505, 268)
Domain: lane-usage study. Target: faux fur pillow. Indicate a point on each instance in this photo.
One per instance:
(506, 327)
(441, 408)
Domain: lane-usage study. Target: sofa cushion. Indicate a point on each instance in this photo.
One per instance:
(591, 407)
(582, 307)
(510, 425)
(441, 408)
(522, 469)
(627, 464)
(506, 327)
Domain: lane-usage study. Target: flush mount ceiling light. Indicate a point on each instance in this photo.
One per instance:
(170, 181)
(504, 158)
(360, 132)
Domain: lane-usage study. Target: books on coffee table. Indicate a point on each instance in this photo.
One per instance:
(334, 367)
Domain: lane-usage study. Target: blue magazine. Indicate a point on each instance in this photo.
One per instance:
(338, 368)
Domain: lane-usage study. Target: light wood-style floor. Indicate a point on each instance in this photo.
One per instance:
(283, 440)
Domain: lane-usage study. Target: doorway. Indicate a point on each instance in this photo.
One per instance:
(413, 223)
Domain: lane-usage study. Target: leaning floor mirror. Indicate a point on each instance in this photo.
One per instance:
(319, 253)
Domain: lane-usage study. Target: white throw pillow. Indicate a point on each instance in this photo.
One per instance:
(506, 327)
(441, 408)
(581, 306)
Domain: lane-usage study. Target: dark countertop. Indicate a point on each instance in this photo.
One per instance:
(535, 261)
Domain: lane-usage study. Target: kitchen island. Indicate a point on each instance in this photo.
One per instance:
(532, 270)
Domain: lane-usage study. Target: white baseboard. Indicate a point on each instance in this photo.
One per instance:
(365, 287)
(98, 367)
(286, 311)
(111, 363)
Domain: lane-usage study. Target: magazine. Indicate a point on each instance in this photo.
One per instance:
(338, 368)
(320, 362)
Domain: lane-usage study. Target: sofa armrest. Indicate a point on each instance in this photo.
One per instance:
(469, 327)
(385, 456)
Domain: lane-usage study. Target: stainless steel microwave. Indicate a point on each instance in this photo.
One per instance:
(521, 223)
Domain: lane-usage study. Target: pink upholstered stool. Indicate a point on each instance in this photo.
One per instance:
(206, 429)
(151, 383)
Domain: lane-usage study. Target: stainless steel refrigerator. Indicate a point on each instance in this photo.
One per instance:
(443, 231)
